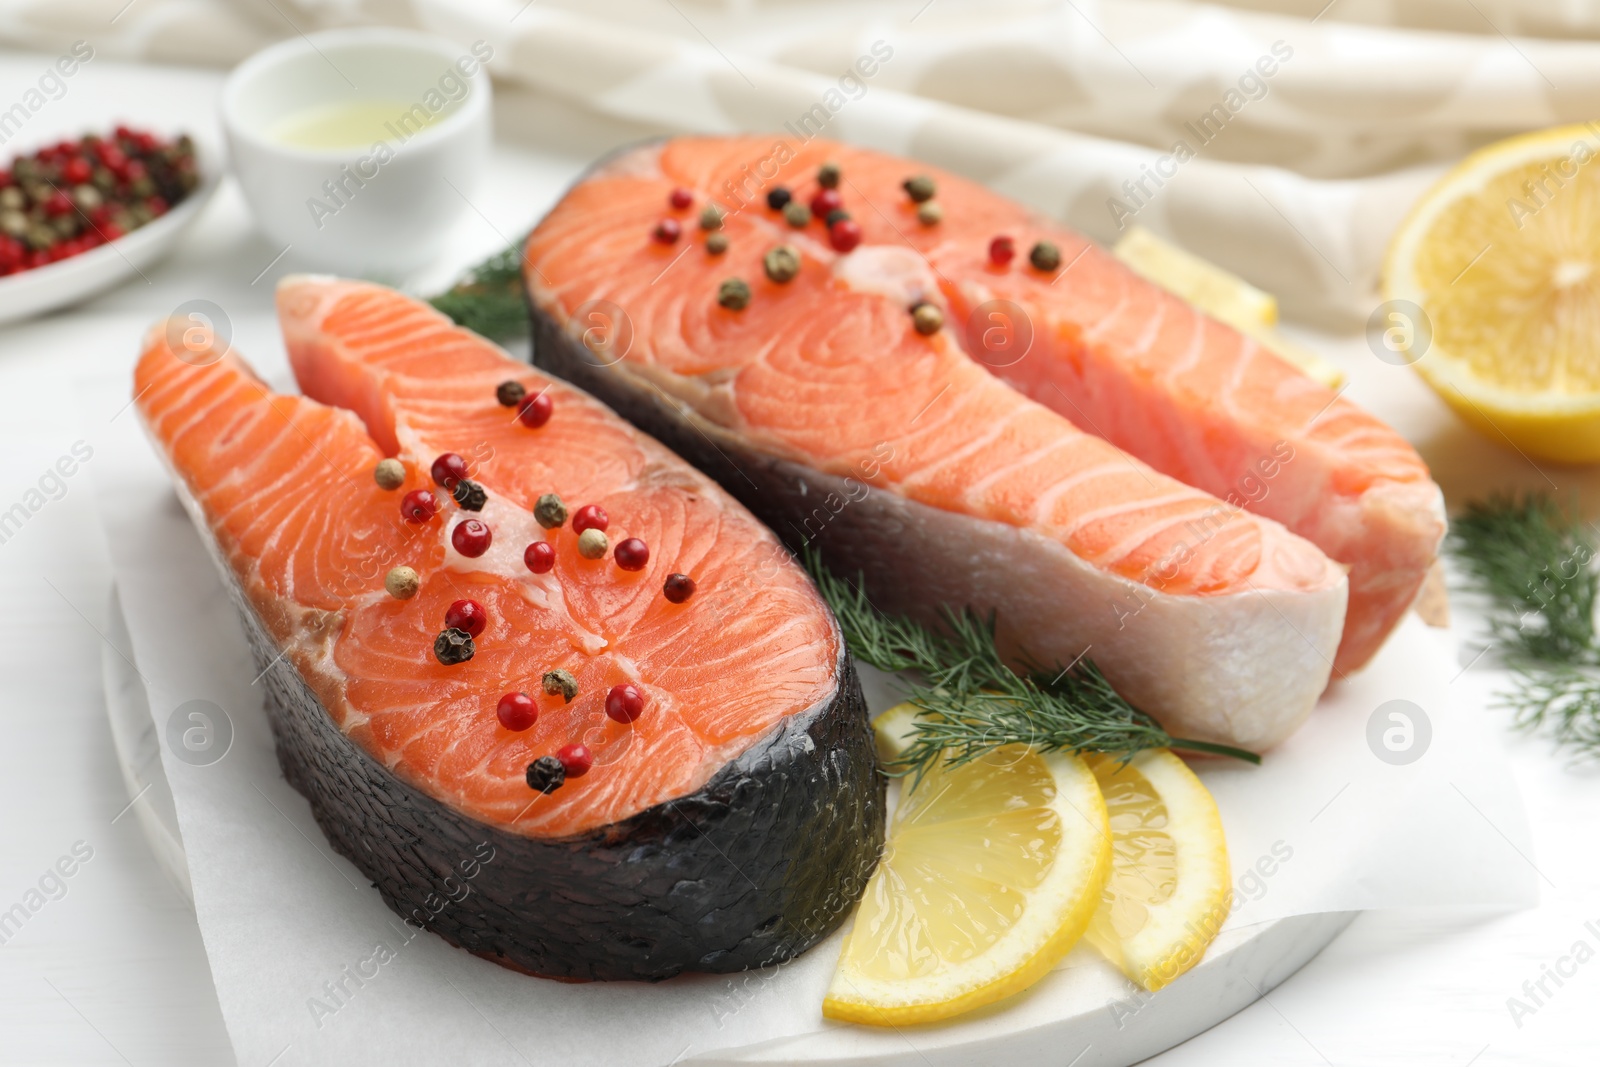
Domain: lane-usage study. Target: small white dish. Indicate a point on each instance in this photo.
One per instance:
(34, 292)
(383, 205)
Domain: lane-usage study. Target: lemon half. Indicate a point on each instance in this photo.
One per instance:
(992, 872)
(1503, 256)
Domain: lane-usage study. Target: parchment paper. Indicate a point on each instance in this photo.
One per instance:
(311, 967)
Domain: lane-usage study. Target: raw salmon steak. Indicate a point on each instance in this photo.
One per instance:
(823, 406)
(730, 824)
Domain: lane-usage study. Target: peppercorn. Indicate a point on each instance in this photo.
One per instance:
(797, 215)
(733, 294)
(666, 231)
(920, 188)
(389, 474)
(560, 682)
(717, 243)
(844, 235)
(470, 495)
(592, 544)
(781, 263)
(625, 702)
(546, 774)
(418, 506)
(680, 198)
(472, 538)
(468, 616)
(1001, 250)
(516, 711)
(510, 394)
(836, 215)
(448, 469)
(711, 217)
(550, 511)
(539, 557)
(453, 646)
(930, 214)
(590, 516)
(534, 411)
(402, 583)
(777, 198)
(632, 554)
(828, 175)
(927, 318)
(677, 588)
(1045, 256)
(826, 201)
(576, 759)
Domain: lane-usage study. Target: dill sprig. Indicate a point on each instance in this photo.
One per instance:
(970, 702)
(488, 299)
(1532, 561)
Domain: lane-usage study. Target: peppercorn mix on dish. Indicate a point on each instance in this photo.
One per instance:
(505, 616)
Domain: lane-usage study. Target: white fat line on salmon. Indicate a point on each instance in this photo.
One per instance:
(1205, 128)
(51, 886)
(453, 86)
(51, 485)
(339, 991)
(1251, 488)
(1248, 888)
(807, 126)
(50, 86)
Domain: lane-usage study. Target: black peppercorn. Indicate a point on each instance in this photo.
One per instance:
(453, 646)
(510, 394)
(470, 495)
(678, 588)
(778, 197)
(546, 774)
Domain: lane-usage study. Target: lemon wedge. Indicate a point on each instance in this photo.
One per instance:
(992, 872)
(1168, 891)
(1225, 297)
(1503, 257)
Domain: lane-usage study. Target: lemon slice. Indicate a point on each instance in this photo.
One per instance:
(1224, 296)
(1503, 257)
(1168, 891)
(992, 871)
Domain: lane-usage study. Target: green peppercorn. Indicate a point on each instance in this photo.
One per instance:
(40, 238)
(838, 214)
(828, 175)
(65, 225)
(920, 188)
(142, 187)
(797, 214)
(402, 583)
(930, 213)
(510, 393)
(592, 544)
(469, 495)
(927, 318)
(782, 263)
(717, 243)
(453, 646)
(560, 682)
(711, 217)
(546, 774)
(1045, 256)
(550, 512)
(733, 294)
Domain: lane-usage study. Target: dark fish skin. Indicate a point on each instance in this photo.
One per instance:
(764, 861)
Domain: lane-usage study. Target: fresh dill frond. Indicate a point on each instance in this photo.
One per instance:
(488, 299)
(971, 703)
(1532, 561)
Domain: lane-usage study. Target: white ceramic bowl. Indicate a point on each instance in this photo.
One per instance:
(366, 210)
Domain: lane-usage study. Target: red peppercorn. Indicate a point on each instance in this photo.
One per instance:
(539, 556)
(419, 505)
(517, 711)
(58, 204)
(449, 469)
(825, 201)
(632, 554)
(678, 588)
(844, 234)
(157, 205)
(472, 537)
(625, 703)
(667, 231)
(680, 198)
(1002, 250)
(576, 758)
(466, 615)
(77, 171)
(534, 411)
(590, 517)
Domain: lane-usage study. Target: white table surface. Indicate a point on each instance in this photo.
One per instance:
(115, 972)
